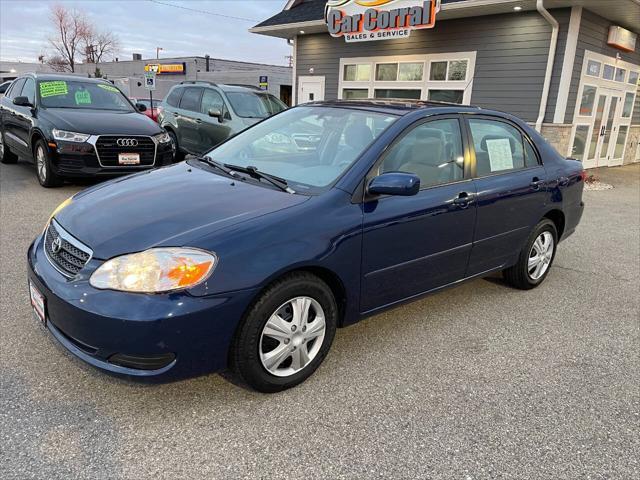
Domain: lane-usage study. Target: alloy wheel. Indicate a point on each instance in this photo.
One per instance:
(292, 337)
(540, 255)
(41, 164)
(1, 146)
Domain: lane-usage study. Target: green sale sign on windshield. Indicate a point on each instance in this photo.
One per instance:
(50, 89)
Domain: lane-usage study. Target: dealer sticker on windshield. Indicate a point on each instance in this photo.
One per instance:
(108, 88)
(51, 89)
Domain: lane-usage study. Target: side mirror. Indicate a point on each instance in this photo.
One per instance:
(141, 107)
(395, 183)
(215, 112)
(22, 102)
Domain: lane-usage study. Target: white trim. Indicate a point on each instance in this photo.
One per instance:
(288, 26)
(553, 43)
(423, 85)
(567, 65)
(294, 81)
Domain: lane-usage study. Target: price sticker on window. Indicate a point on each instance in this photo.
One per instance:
(52, 89)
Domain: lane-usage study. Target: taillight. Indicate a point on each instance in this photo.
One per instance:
(583, 175)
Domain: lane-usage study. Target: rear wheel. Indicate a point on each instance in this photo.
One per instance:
(286, 334)
(46, 176)
(535, 258)
(6, 156)
(178, 156)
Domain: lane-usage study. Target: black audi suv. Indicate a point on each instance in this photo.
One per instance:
(71, 127)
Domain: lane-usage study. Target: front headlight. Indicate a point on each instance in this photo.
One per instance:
(155, 270)
(70, 136)
(162, 137)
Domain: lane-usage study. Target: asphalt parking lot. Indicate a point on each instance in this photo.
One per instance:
(481, 381)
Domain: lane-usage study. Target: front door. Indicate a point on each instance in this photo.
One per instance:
(187, 118)
(415, 244)
(601, 150)
(310, 89)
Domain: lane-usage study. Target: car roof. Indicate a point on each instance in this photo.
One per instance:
(399, 106)
(60, 76)
(225, 87)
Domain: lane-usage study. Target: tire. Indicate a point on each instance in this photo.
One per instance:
(178, 155)
(292, 348)
(44, 171)
(526, 276)
(6, 156)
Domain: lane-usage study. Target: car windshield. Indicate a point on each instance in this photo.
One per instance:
(310, 147)
(82, 95)
(255, 105)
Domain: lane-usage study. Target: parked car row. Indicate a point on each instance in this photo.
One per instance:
(72, 127)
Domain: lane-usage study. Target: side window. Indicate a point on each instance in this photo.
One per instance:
(530, 157)
(16, 88)
(29, 90)
(173, 99)
(191, 99)
(432, 150)
(499, 146)
(211, 100)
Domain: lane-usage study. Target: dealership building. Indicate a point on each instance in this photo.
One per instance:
(569, 67)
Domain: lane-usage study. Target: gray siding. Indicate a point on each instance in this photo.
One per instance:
(511, 60)
(594, 32)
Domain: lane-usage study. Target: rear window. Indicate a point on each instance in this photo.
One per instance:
(174, 97)
(191, 99)
(255, 105)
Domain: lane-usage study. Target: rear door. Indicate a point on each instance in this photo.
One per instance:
(415, 244)
(11, 120)
(187, 119)
(211, 130)
(511, 186)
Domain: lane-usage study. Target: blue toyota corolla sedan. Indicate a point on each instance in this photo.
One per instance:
(250, 257)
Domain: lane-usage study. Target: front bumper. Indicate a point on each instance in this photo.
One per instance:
(80, 160)
(174, 335)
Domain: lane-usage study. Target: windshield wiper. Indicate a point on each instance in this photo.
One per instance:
(281, 183)
(218, 165)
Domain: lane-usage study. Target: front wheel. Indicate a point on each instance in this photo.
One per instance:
(536, 257)
(286, 334)
(178, 156)
(46, 176)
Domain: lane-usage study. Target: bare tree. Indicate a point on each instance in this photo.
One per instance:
(57, 63)
(100, 45)
(71, 30)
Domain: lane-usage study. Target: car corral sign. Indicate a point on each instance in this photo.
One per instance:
(166, 68)
(364, 20)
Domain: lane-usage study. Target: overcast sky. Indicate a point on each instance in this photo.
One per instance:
(143, 25)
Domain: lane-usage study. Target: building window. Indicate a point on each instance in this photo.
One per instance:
(580, 142)
(397, 93)
(608, 72)
(387, 72)
(451, 70)
(622, 138)
(355, 93)
(621, 74)
(410, 72)
(588, 98)
(593, 68)
(357, 73)
(633, 78)
(441, 95)
(627, 108)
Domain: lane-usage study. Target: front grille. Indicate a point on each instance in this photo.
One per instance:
(108, 150)
(68, 255)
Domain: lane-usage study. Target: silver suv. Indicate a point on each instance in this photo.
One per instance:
(199, 115)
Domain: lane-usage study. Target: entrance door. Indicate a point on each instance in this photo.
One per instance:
(310, 89)
(605, 130)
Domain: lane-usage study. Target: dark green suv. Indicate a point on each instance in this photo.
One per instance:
(200, 115)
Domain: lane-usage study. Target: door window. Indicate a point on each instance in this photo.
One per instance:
(29, 90)
(499, 147)
(432, 151)
(16, 88)
(211, 100)
(191, 99)
(174, 97)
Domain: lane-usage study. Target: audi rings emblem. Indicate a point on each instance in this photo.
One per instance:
(56, 245)
(127, 142)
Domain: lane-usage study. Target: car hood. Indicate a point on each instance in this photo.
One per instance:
(172, 206)
(101, 122)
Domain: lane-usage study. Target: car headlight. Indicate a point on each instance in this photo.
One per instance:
(155, 270)
(70, 136)
(162, 137)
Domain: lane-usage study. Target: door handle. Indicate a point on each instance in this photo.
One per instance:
(198, 121)
(463, 200)
(536, 183)
(563, 181)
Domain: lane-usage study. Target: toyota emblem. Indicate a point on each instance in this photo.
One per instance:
(56, 245)
(127, 142)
